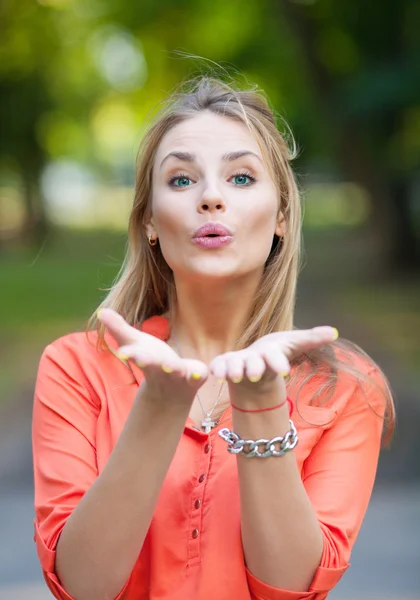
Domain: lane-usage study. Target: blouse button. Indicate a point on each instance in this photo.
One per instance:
(201, 478)
(195, 533)
(197, 503)
(207, 448)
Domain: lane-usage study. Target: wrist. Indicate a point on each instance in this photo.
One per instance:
(249, 396)
(260, 425)
(158, 401)
(287, 401)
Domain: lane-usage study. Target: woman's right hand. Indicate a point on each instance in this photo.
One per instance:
(167, 375)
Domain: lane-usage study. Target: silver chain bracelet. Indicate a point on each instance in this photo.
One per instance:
(236, 445)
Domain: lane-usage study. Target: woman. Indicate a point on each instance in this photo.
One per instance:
(138, 492)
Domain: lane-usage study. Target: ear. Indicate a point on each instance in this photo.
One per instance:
(280, 226)
(150, 228)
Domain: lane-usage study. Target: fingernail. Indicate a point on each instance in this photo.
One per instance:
(167, 369)
(140, 364)
(255, 379)
(238, 379)
(98, 313)
(284, 373)
(336, 334)
(123, 356)
(196, 375)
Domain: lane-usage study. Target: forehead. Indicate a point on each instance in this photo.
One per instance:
(208, 132)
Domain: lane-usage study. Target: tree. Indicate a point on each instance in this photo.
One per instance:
(342, 74)
(363, 65)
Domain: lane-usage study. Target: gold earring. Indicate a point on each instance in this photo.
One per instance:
(152, 242)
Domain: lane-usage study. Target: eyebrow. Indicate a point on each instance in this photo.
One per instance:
(229, 156)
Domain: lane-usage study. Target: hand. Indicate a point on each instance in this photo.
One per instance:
(256, 368)
(167, 375)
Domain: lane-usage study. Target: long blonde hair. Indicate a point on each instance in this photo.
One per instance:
(145, 285)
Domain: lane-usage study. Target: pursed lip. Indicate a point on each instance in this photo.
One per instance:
(212, 229)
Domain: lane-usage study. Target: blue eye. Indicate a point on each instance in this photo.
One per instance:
(182, 181)
(240, 179)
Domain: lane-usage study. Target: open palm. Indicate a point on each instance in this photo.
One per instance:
(165, 371)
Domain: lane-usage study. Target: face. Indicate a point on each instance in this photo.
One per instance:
(209, 169)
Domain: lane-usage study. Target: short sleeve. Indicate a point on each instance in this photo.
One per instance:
(63, 440)
(338, 476)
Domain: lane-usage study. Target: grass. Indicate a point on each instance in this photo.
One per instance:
(61, 281)
(384, 310)
(391, 311)
(48, 292)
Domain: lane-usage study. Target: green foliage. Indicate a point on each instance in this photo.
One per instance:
(52, 55)
(78, 79)
(49, 292)
(63, 281)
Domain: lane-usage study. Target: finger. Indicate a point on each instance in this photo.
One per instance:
(235, 366)
(276, 360)
(254, 366)
(218, 367)
(140, 356)
(185, 368)
(195, 369)
(117, 326)
(292, 342)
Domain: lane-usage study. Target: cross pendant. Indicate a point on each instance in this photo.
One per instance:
(208, 424)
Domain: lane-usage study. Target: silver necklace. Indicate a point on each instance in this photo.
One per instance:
(207, 424)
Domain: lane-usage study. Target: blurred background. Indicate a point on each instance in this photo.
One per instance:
(78, 79)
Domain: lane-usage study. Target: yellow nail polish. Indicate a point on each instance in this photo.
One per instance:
(98, 313)
(336, 334)
(123, 356)
(238, 380)
(167, 369)
(196, 375)
(284, 373)
(255, 379)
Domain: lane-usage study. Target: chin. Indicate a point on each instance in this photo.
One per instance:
(220, 273)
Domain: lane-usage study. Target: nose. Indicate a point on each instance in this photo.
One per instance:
(211, 201)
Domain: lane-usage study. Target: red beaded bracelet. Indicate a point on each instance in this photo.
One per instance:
(257, 410)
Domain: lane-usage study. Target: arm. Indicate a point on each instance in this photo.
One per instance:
(100, 521)
(298, 532)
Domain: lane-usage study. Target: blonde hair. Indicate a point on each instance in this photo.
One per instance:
(145, 285)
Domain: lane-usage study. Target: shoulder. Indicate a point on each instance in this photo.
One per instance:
(362, 395)
(79, 355)
(73, 367)
(80, 345)
(73, 348)
(341, 378)
(356, 368)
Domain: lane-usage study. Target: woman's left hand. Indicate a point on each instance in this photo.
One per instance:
(269, 357)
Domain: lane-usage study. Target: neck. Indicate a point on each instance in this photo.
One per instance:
(208, 319)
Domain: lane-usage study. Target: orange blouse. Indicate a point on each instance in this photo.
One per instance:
(193, 548)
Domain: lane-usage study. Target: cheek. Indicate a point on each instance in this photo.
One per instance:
(259, 218)
(169, 220)
(167, 214)
(258, 228)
